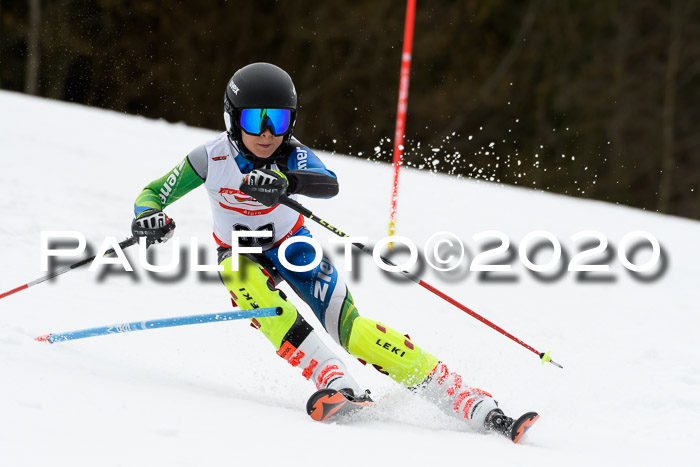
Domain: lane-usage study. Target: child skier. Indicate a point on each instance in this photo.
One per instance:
(245, 170)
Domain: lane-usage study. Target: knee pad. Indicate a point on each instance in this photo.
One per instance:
(251, 287)
(391, 352)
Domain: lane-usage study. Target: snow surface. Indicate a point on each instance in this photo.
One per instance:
(216, 394)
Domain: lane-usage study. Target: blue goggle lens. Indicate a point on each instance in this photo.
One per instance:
(255, 121)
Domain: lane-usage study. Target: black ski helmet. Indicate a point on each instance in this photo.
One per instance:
(258, 86)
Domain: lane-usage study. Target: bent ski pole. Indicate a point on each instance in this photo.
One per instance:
(126, 243)
(544, 356)
(158, 323)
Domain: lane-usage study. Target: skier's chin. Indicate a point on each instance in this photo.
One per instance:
(264, 150)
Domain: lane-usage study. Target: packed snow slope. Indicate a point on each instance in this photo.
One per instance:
(216, 394)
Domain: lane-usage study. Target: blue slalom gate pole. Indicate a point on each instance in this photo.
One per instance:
(158, 323)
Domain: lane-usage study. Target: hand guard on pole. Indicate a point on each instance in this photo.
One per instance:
(265, 185)
(154, 225)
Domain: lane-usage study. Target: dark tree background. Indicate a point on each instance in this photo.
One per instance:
(591, 98)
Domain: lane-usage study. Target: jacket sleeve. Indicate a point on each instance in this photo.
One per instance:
(308, 176)
(169, 188)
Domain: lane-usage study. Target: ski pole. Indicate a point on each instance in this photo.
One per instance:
(544, 356)
(158, 323)
(126, 243)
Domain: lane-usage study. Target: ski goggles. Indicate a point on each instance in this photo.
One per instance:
(256, 121)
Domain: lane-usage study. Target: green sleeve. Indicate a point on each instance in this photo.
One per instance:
(169, 188)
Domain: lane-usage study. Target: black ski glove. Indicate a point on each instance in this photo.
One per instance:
(154, 225)
(265, 185)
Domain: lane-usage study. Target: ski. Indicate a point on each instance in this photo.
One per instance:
(329, 405)
(500, 423)
(521, 425)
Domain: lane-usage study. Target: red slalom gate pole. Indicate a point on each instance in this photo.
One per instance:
(402, 105)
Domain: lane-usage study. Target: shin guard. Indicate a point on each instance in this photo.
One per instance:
(251, 287)
(390, 352)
